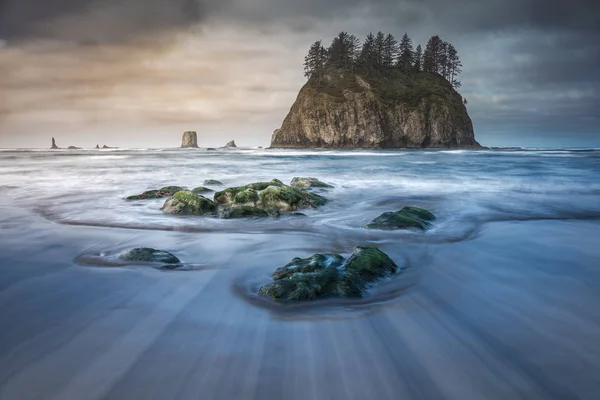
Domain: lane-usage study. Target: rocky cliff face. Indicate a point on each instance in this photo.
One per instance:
(398, 110)
(54, 146)
(190, 139)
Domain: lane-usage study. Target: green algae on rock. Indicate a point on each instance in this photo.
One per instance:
(328, 276)
(407, 217)
(157, 194)
(212, 181)
(304, 183)
(227, 196)
(147, 254)
(243, 212)
(189, 203)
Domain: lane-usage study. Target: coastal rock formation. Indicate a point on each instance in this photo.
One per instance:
(189, 139)
(407, 217)
(273, 197)
(189, 203)
(157, 193)
(329, 276)
(304, 183)
(395, 109)
(74, 148)
(54, 146)
(231, 144)
(147, 254)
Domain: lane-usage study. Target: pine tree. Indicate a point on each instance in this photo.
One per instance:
(431, 56)
(379, 48)
(418, 64)
(390, 51)
(443, 60)
(367, 58)
(314, 62)
(405, 61)
(342, 52)
(454, 66)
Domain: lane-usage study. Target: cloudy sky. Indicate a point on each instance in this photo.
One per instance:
(137, 73)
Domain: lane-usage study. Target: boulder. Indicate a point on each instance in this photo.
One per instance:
(74, 148)
(243, 212)
(157, 194)
(189, 203)
(189, 140)
(212, 182)
(202, 189)
(329, 276)
(273, 195)
(231, 144)
(304, 183)
(407, 217)
(147, 254)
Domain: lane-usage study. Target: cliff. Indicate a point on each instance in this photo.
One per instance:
(189, 139)
(394, 109)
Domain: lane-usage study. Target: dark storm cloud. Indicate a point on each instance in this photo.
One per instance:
(94, 20)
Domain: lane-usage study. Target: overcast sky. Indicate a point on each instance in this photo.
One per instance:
(137, 73)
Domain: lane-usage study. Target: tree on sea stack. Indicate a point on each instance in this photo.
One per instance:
(384, 96)
(407, 56)
(418, 64)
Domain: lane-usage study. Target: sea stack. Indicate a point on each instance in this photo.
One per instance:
(190, 139)
(398, 109)
(231, 144)
(54, 146)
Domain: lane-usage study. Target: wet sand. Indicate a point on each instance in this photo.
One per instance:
(510, 314)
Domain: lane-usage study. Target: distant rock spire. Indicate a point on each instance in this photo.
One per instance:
(190, 139)
(231, 144)
(54, 146)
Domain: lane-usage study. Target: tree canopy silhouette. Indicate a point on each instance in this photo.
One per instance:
(380, 52)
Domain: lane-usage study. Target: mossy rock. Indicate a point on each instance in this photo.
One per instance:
(407, 217)
(328, 276)
(212, 181)
(282, 198)
(311, 264)
(202, 189)
(247, 196)
(227, 196)
(244, 212)
(147, 254)
(368, 265)
(304, 183)
(189, 203)
(157, 194)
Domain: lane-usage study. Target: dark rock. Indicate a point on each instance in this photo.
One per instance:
(146, 254)
(202, 189)
(211, 149)
(231, 144)
(243, 212)
(157, 194)
(54, 146)
(212, 182)
(97, 146)
(407, 217)
(304, 183)
(189, 140)
(189, 203)
(74, 148)
(328, 276)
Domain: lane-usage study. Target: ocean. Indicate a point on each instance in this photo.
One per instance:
(498, 301)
